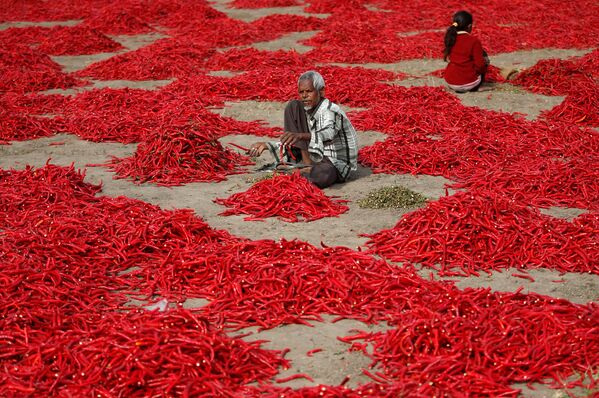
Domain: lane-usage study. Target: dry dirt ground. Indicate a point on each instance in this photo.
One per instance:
(334, 362)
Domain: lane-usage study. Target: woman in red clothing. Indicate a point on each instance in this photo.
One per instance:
(467, 60)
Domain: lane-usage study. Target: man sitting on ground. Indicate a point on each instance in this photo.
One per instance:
(317, 133)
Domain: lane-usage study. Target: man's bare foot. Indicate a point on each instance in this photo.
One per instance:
(284, 167)
(305, 171)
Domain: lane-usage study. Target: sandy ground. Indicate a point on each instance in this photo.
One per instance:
(334, 362)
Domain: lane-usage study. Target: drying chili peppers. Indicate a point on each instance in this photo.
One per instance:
(250, 58)
(554, 77)
(130, 354)
(18, 127)
(175, 158)
(270, 26)
(576, 78)
(263, 3)
(580, 108)
(464, 234)
(115, 19)
(429, 133)
(133, 115)
(103, 249)
(121, 115)
(76, 40)
(73, 262)
(446, 337)
(289, 197)
(24, 70)
(164, 59)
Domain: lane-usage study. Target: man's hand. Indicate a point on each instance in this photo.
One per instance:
(257, 149)
(289, 139)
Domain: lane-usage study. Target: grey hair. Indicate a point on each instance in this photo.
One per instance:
(315, 77)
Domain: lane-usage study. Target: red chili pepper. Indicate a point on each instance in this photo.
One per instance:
(294, 377)
(524, 276)
(240, 147)
(314, 351)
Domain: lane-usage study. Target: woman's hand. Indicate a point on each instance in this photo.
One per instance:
(257, 149)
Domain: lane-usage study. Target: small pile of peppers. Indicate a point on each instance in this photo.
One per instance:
(179, 157)
(297, 200)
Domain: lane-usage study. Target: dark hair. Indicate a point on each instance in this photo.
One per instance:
(461, 21)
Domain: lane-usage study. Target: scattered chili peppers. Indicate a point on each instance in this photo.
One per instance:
(314, 351)
(524, 276)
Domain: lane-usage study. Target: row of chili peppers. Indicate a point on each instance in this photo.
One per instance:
(346, 26)
(24, 70)
(263, 3)
(129, 115)
(60, 40)
(533, 162)
(269, 71)
(466, 233)
(576, 78)
(342, 38)
(113, 19)
(72, 258)
(163, 59)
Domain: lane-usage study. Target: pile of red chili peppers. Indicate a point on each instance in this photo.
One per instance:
(24, 69)
(179, 157)
(297, 200)
(263, 3)
(74, 263)
(576, 78)
(60, 40)
(470, 233)
(533, 162)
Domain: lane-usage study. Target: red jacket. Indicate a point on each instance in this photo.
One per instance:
(466, 61)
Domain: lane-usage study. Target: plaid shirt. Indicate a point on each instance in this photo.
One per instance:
(333, 136)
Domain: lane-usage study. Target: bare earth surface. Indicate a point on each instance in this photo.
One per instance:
(334, 362)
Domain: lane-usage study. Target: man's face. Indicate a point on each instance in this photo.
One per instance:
(308, 94)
